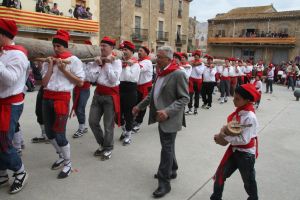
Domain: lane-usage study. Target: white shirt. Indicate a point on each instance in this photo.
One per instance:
(258, 85)
(271, 73)
(58, 81)
(259, 67)
(242, 70)
(131, 73)
(146, 71)
(13, 67)
(248, 69)
(224, 71)
(107, 75)
(157, 87)
(187, 69)
(209, 74)
(247, 117)
(197, 71)
(234, 71)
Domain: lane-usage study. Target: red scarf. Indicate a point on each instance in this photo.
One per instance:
(61, 108)
(172, 67)
(114, 92)
(196, 62)
(132, 60)
(64, 55)
(144, 58)
(15, 47)
(253, 142)
(5, 114)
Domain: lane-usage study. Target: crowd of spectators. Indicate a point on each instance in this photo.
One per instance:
(267, 34)
(12, 4)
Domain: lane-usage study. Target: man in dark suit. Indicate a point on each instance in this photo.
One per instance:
(167, 101)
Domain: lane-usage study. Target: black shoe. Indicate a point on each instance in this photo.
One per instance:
(195, 112)
(39, 140)
(4, 181)
(19, 182)
(203, 106)
(122, 137)
(98, 152)
(106, 155)
(65, 172)
(173, 175)
(161, 191)
(58, 164)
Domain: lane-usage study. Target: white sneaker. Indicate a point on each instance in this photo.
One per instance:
(136, 128)
(106, 155)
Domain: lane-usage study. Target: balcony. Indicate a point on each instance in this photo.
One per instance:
(162, 36)
(40, 22)
(139, 35)
(252, 41)
(181, 39)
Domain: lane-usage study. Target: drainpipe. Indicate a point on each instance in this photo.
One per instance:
(233, 34)
(120, 20)
(149, 43)
(171, 33)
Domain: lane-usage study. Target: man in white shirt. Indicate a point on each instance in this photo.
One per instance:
(209, 81)
(270, 78)
(144, 82)
(13, 66)
(225, 81)
(241, 75)
(128, 89)
(60, 75)
(106, 72)
(248, 71)
(234, 73)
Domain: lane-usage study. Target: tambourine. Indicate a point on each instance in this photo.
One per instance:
(234, 128)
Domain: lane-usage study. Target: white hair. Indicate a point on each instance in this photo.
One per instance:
(168, 51)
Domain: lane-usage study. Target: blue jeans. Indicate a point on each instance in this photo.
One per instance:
(80, 111)
(49, 117)
(244, 162)
(11, 159)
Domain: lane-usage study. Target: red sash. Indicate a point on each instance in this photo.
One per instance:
(249, 75)
(191, 84)
(114, 92)
(76, 94)
(5, 114)
(253, 143)
(61, 108)
(225, 78)
(143, 88)
(259, 73)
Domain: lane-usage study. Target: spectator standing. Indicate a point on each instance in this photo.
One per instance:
(39, 6)
(46, 7)
(88, 13)
(55, 10)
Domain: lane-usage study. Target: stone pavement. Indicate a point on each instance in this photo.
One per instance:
(128, 175)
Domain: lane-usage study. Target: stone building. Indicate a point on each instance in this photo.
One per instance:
(43, 26)
(256, 33)
(153, 23)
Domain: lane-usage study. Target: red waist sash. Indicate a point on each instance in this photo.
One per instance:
(191, 84)
(143, 88)
(114, 92)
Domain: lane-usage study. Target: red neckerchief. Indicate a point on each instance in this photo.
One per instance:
(235, 114)
(172, 67)
(132, 60)
(196, 61)
(64, 55)
(15, 47)
(144, 58)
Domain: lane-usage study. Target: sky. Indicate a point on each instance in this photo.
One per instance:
(207, 9)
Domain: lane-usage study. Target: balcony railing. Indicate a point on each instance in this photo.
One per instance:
(162, 36)
(47, 21)
(252, 41)
(139, 34)
(180, 39)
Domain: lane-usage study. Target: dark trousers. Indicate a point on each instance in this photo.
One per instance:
(140, 117)
(80, 111)
(11, 159)
(49, 120)
(291, 82)
(225, 88)
(269, 85)
(39, 106)
(168, 162)
(128, 98)
(207, 90)
(244, 162)
(195, 95)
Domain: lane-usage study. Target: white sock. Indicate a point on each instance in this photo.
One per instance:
(57, 148)
(22, 169)
(81, 127)
(66, 151)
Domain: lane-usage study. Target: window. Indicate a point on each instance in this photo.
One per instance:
(138, 3)
(248, 53)
(160, 29)
(137, 26)
(180, 9)
(178, 39)
(161, 6)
